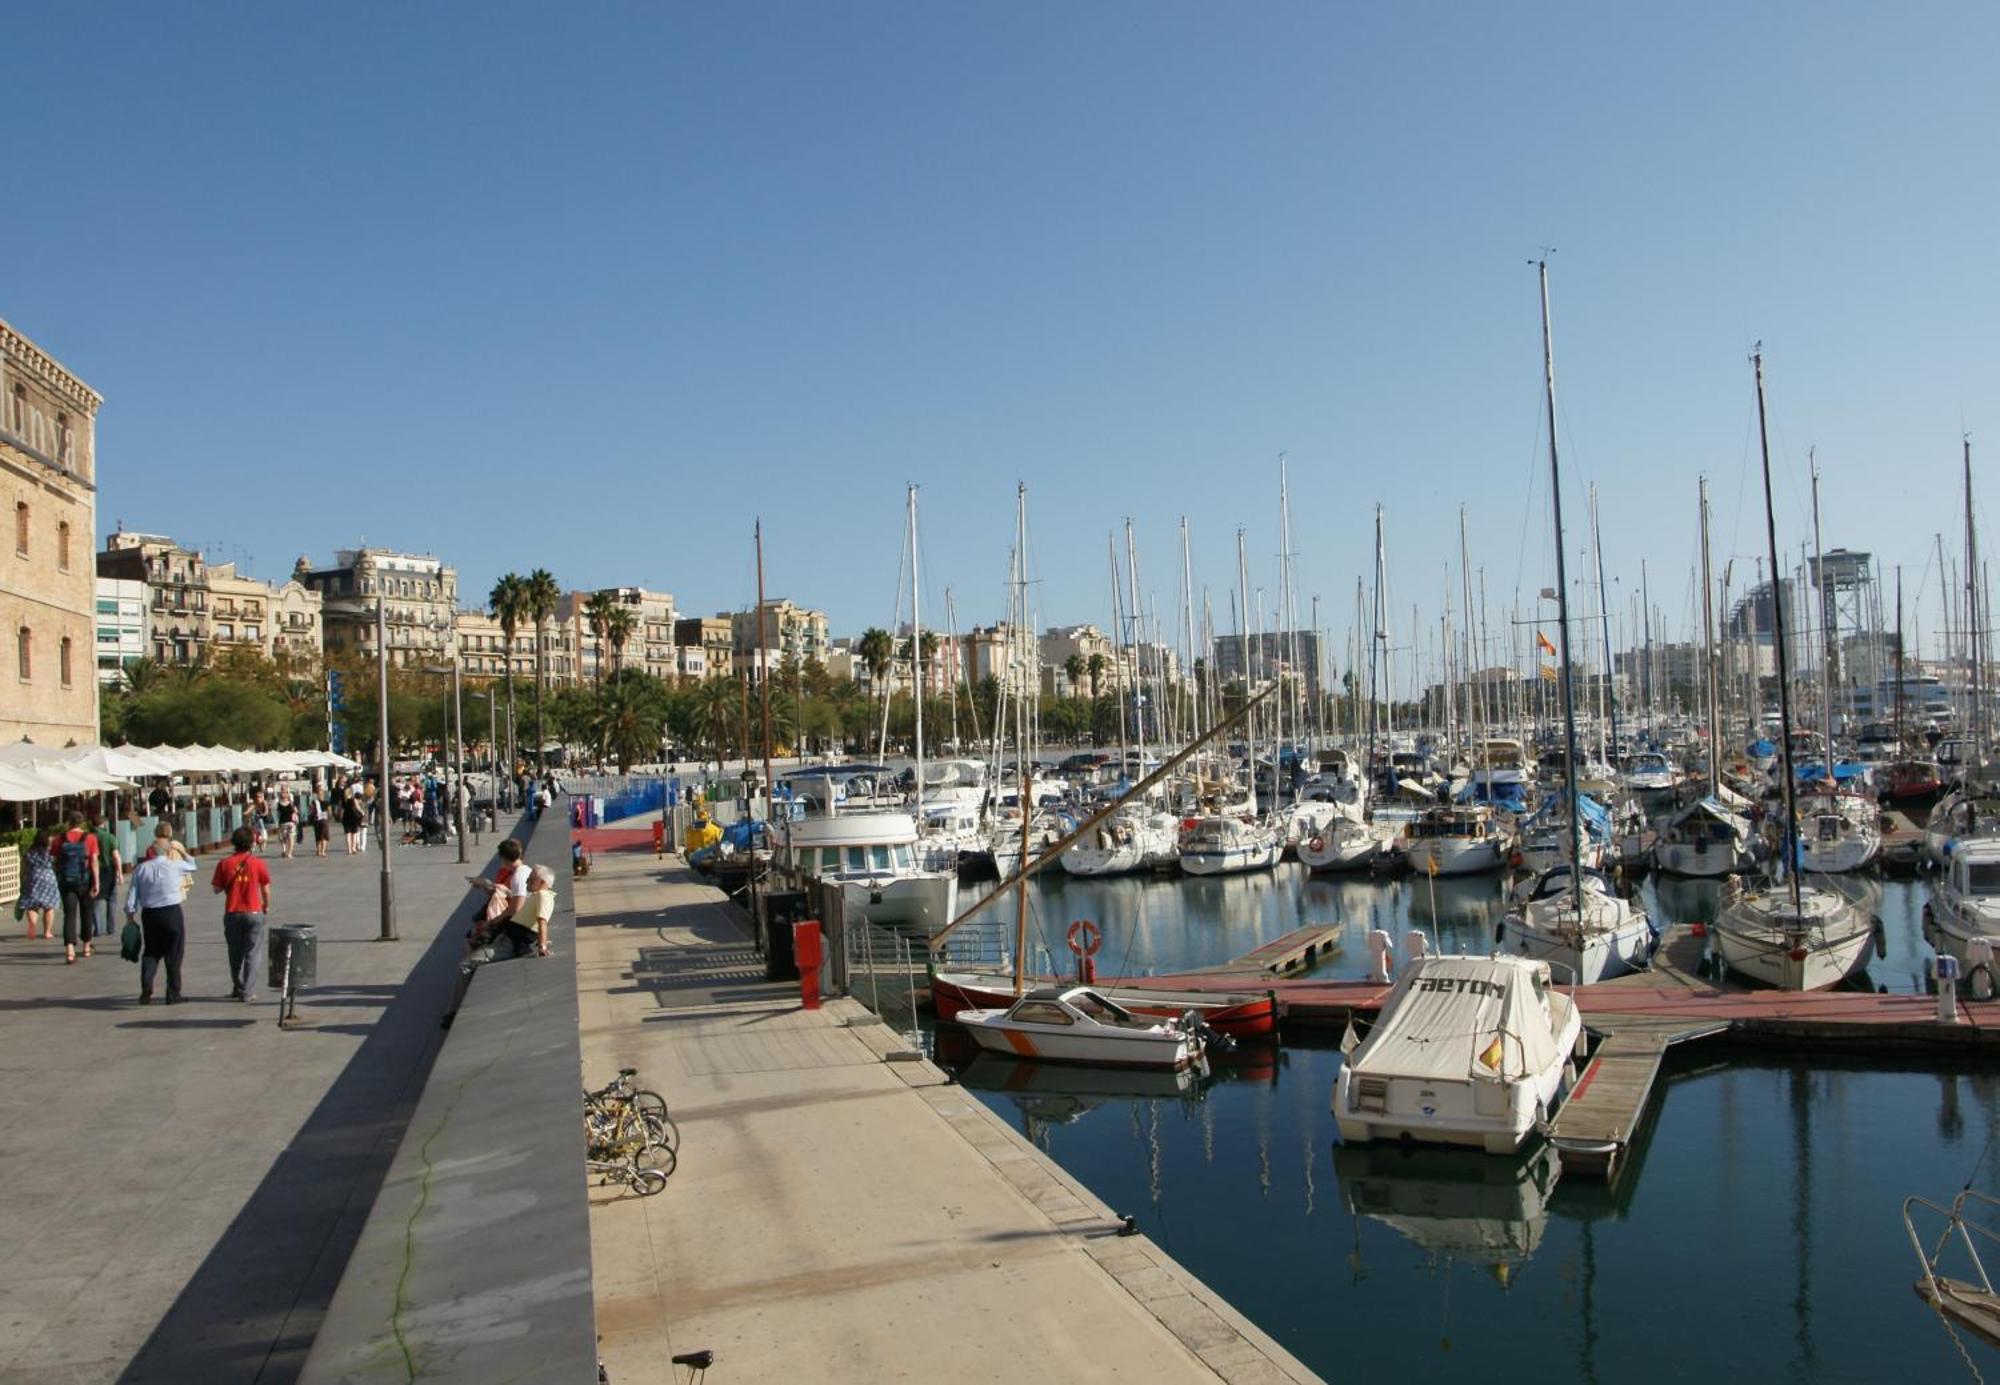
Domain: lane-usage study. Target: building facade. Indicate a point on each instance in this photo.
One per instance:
(48, 599)
(788, 630)
(418, 592)
(177, 597)
(715, 637)
(283, 624)
(121, 628)
(483, 645)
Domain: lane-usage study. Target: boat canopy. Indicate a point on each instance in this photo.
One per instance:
(1452, 1018)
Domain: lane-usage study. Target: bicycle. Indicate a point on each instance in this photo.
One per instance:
(652, 1107)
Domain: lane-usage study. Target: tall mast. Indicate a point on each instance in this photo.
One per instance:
(1708, 653)
(1138, 657)
(764, 695)
(1778, 638)
(1193, 651)
(1562, 586)
(1829, 629)
(1604, 606)
(1974, 624)
(916, 651)
(1117, 660)
(1899, 661)
(1377, 643)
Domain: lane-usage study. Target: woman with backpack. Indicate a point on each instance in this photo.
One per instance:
(39, 893)
(76, 878)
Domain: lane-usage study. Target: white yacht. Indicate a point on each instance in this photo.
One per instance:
(1136, 837)
(1461, 839)
(873, 857)
(1584, 929)
(1467, 1051)
(1962, 918)
(1228, 846)
(1838, 832)
(1707, 839)
(1076, 1024)
(1344, 844)
(1793, 936)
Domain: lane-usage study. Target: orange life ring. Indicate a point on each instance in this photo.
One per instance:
(1089, 933)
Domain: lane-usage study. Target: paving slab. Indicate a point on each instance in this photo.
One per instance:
(839, 1217)
(185, 1182)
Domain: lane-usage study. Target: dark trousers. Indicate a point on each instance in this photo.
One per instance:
(77, 907)
(104, 908)
(243, 935)
(166, 941)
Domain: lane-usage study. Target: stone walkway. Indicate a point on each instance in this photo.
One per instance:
(839, 1217)
(184, 1183)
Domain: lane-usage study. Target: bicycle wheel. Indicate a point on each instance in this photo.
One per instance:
(658, 1156)
(646, 1182)
(652, 1106)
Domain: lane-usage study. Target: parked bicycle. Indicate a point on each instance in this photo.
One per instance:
(628, 1136)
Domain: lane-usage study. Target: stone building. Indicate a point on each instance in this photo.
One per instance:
(48, 597)
(177, 599)
(715, 637)
(483, 644)
(277, 622)
(789, 629)
(419, 593)
(121, 627)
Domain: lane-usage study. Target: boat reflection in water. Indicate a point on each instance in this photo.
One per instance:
(1461, 913)
(1458, 1205)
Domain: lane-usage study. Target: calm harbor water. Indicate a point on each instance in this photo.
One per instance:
(1756, 1233)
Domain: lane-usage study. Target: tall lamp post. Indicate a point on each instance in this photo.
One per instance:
(457, 735)
(388, 933)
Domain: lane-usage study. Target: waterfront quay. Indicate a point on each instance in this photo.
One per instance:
(186, 1182)
(841, 1210)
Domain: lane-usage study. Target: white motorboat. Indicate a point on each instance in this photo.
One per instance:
(1228, 846)
(1344, 844)
(1962, 918)
(1707, 839)
(1461, 839)
(1969, 811)
(949, 834)
(1076, 1024)
(1583, 929)
(1793, 936)
(1838, 832)
(1651, 777)
(1299, 822)
(1467, 1051)
(873, 858)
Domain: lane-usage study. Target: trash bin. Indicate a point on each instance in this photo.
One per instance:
(300, 942)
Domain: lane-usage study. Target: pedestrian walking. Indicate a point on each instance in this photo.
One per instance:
(319, 817)
(244, 881)
(353, 821)
(110, 869)
(288, 823)
(40, 895)
(76, 879)
(260, 821)
(153, 897)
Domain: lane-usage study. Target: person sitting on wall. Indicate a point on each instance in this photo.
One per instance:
(523, 932)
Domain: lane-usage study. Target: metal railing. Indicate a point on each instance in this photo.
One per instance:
(1955, 1220)
(887, 971)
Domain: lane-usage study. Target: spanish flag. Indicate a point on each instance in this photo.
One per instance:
(1493, 1053)
(1542, 643)
(1548, 672)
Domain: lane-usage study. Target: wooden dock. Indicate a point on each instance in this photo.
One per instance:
(1299, 950)
(1595, 1124)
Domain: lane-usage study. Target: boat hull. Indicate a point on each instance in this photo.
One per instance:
(1239, 1015)
(1755, 940)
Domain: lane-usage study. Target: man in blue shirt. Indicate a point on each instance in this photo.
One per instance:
(153, 897)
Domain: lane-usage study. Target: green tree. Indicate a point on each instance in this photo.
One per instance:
(540, 597)
(877, 649)
(1073, 668)
(619, 625)
(509, 603)
(1099, 665)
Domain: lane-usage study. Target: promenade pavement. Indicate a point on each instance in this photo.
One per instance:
(836, 1216)
(185, 1182)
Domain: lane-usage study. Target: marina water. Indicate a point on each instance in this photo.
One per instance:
(1756, 1233)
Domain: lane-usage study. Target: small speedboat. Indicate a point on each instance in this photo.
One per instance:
(1467, 1051)
(1239, 1014)
(1076, 1024)
(1962, 918)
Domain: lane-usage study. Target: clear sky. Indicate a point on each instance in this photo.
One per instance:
(591, 287)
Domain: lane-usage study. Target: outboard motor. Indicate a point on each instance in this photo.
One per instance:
(1211, 1038)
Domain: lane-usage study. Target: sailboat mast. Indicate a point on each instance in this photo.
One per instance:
(1778, 638)
(1900, 675)
(1974, 625)
(1138, 656)
(916, 652)
(1829, 634)
(1604, 607)
(763, 691)
(1243, 648)
(1562, 584)
(1708, 653)
(1377, 646)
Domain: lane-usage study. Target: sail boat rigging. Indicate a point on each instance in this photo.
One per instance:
(1573, 918)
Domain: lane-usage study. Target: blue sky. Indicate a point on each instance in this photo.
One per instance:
(591, 287)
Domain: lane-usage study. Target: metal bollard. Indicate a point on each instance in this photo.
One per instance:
(1947, 984)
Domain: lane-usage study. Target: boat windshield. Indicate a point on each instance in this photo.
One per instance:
(1982, 877)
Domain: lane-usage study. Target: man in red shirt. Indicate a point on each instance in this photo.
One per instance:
(245, 882)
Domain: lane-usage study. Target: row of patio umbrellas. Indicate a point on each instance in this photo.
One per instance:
(30, 772)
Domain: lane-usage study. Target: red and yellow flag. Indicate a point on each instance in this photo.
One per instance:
(1542, 643)
(1493, 1053)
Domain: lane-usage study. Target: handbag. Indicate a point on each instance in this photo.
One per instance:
(131, 942)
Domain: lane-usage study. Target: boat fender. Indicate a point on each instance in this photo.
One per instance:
(1316, 844)
(1979, 968)
(1514, 859)
(1085, 938)
(1881, 939)
(1383, 954)
(1500, 933)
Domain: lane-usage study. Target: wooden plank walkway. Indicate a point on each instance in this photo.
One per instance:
(1299, 950)
(1595, 1124)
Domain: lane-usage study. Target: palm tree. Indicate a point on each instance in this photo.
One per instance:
(877, 650)
(1097, 664)
(619, 625)
(597, 615)
(509, 603)
(140, 676)
(1073, 667)
(541, 596)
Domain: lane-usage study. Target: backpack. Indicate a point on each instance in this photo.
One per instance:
(73, 862)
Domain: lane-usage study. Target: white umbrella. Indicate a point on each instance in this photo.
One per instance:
(18, 784)
(68, 778)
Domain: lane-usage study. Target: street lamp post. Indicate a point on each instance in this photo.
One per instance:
(457, 736)
(750, 845)
(388, 931)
